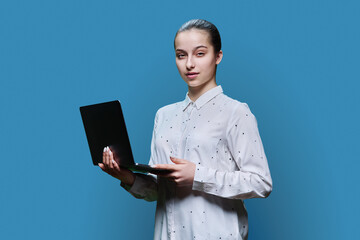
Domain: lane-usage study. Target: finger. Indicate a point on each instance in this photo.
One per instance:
(116, 166)
(104, 156)
(170, 167)
(107, 157)
(111, 159)
(177, 180)
(103, 168)
(162, 174)
(101, 165)
(177, 160)
(170, 176)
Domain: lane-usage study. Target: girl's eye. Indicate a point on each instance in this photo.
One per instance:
(180, 55)
(200, 54)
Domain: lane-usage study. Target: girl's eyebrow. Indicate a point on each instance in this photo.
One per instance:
(200, 46)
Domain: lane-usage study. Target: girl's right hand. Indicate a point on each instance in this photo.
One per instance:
(110, 166)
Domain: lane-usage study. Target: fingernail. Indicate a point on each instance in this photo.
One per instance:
(113, 161)
(104, 149)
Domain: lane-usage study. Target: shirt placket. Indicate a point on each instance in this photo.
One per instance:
(179, 151)
(184, 134)
(171, 217)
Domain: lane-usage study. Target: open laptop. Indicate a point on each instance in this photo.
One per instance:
(105, 126)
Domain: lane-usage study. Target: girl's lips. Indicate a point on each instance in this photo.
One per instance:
(192, 75)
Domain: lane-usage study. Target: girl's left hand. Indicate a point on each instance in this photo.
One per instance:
(182, 172)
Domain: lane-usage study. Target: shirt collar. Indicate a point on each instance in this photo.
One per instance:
(204, 98)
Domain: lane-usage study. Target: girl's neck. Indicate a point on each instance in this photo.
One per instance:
(196, 92)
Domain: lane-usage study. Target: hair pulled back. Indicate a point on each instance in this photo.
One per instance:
(206, 26)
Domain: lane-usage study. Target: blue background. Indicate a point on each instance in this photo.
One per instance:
(296, 63)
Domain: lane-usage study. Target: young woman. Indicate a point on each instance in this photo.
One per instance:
(209, 143)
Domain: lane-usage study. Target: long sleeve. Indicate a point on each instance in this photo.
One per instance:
(145, 185)
(252, 177)
(220, 136)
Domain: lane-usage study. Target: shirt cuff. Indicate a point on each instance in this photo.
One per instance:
(202, 179)
(141, 187)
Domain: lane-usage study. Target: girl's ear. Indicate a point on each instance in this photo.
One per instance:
(219, 56)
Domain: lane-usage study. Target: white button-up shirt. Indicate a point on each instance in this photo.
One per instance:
(220, 135)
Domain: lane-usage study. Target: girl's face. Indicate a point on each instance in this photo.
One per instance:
(195, 57)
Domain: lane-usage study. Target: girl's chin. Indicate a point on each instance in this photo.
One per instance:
(193, 84)
(196, 84)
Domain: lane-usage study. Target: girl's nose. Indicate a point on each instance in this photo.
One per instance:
(190, 63)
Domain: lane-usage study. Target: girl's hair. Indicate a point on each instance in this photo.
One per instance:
(206, 26)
